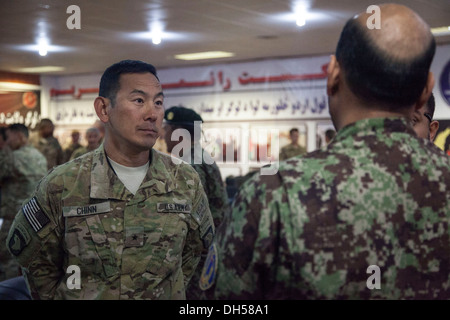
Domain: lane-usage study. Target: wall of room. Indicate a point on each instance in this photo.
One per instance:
(243, 104)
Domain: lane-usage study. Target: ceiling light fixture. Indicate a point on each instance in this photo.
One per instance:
(441, 31)
(43, 47)
(301, 20)
(204, 55)
(156, 38)
(156, 28)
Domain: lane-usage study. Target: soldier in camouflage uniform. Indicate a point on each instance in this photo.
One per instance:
(366, 217)
(292, 149)
(47, 144)
(21, 168)
(93, 137)
(133, 221)
(183, 118)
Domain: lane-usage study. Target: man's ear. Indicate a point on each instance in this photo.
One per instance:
(434, 127)
(426, 93)
(333, 76)
(101, 108)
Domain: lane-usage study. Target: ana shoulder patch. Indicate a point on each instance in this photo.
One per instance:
(209, 270)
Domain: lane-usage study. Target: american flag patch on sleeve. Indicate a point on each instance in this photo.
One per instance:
(34, 215)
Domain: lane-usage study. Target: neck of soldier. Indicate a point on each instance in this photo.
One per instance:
(353, 109)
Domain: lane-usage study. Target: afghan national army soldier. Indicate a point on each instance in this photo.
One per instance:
(21, 168)
(124, 221)
(294, 148)
(367, 216)
(190, 151)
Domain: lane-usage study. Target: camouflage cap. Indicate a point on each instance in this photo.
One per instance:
(178, 115)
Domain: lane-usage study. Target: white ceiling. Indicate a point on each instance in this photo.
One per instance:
(252, 29)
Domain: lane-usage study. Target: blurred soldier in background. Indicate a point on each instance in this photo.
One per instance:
(21, 168)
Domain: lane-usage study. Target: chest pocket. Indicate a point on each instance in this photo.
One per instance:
(168, 249)
(88, 246)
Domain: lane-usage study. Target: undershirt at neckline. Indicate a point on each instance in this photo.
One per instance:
(131, 177)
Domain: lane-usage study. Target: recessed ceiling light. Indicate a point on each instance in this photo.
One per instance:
(43, 69)
(204, 55)
(441, 31)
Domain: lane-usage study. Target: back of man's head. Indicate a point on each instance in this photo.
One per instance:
(389, 66)
(18, 127)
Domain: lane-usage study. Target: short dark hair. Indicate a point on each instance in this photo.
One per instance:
(18, 127)
(374, 75)
(3, 133)
(431, 105)
(110, 81)
(330, 133)
(293, 130)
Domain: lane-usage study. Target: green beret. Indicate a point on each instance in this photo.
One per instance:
(181, 116)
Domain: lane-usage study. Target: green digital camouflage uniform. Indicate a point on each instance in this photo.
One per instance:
(50, 148)
(377, 195)
(290, 151)
(20, 172)
(142, 246)
(214, 186)
(216, 193)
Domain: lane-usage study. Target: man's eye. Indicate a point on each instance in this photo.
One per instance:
(139, 100)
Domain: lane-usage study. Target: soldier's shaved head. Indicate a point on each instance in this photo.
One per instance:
(389, 66)
(402, 32)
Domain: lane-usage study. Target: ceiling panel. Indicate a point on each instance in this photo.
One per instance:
(112, 30)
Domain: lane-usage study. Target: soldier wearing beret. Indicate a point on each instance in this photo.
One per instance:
(179, 117)
(123, 221)
(365, 217)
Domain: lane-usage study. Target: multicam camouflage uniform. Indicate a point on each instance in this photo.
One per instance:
(79, 152)
(20, 172)
(50, 148)
(216, 193)
(377, 195)
(291, 150)
(142, 246)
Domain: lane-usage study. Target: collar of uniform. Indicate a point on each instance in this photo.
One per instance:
(105, 184)
(375, 126)
(158, 177)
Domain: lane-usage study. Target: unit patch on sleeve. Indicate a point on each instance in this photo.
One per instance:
(34, 215)
(209, 270)
(19, 240)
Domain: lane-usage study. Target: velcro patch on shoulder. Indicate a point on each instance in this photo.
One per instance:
(209, 270)
(35, 215)
(19, 240)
